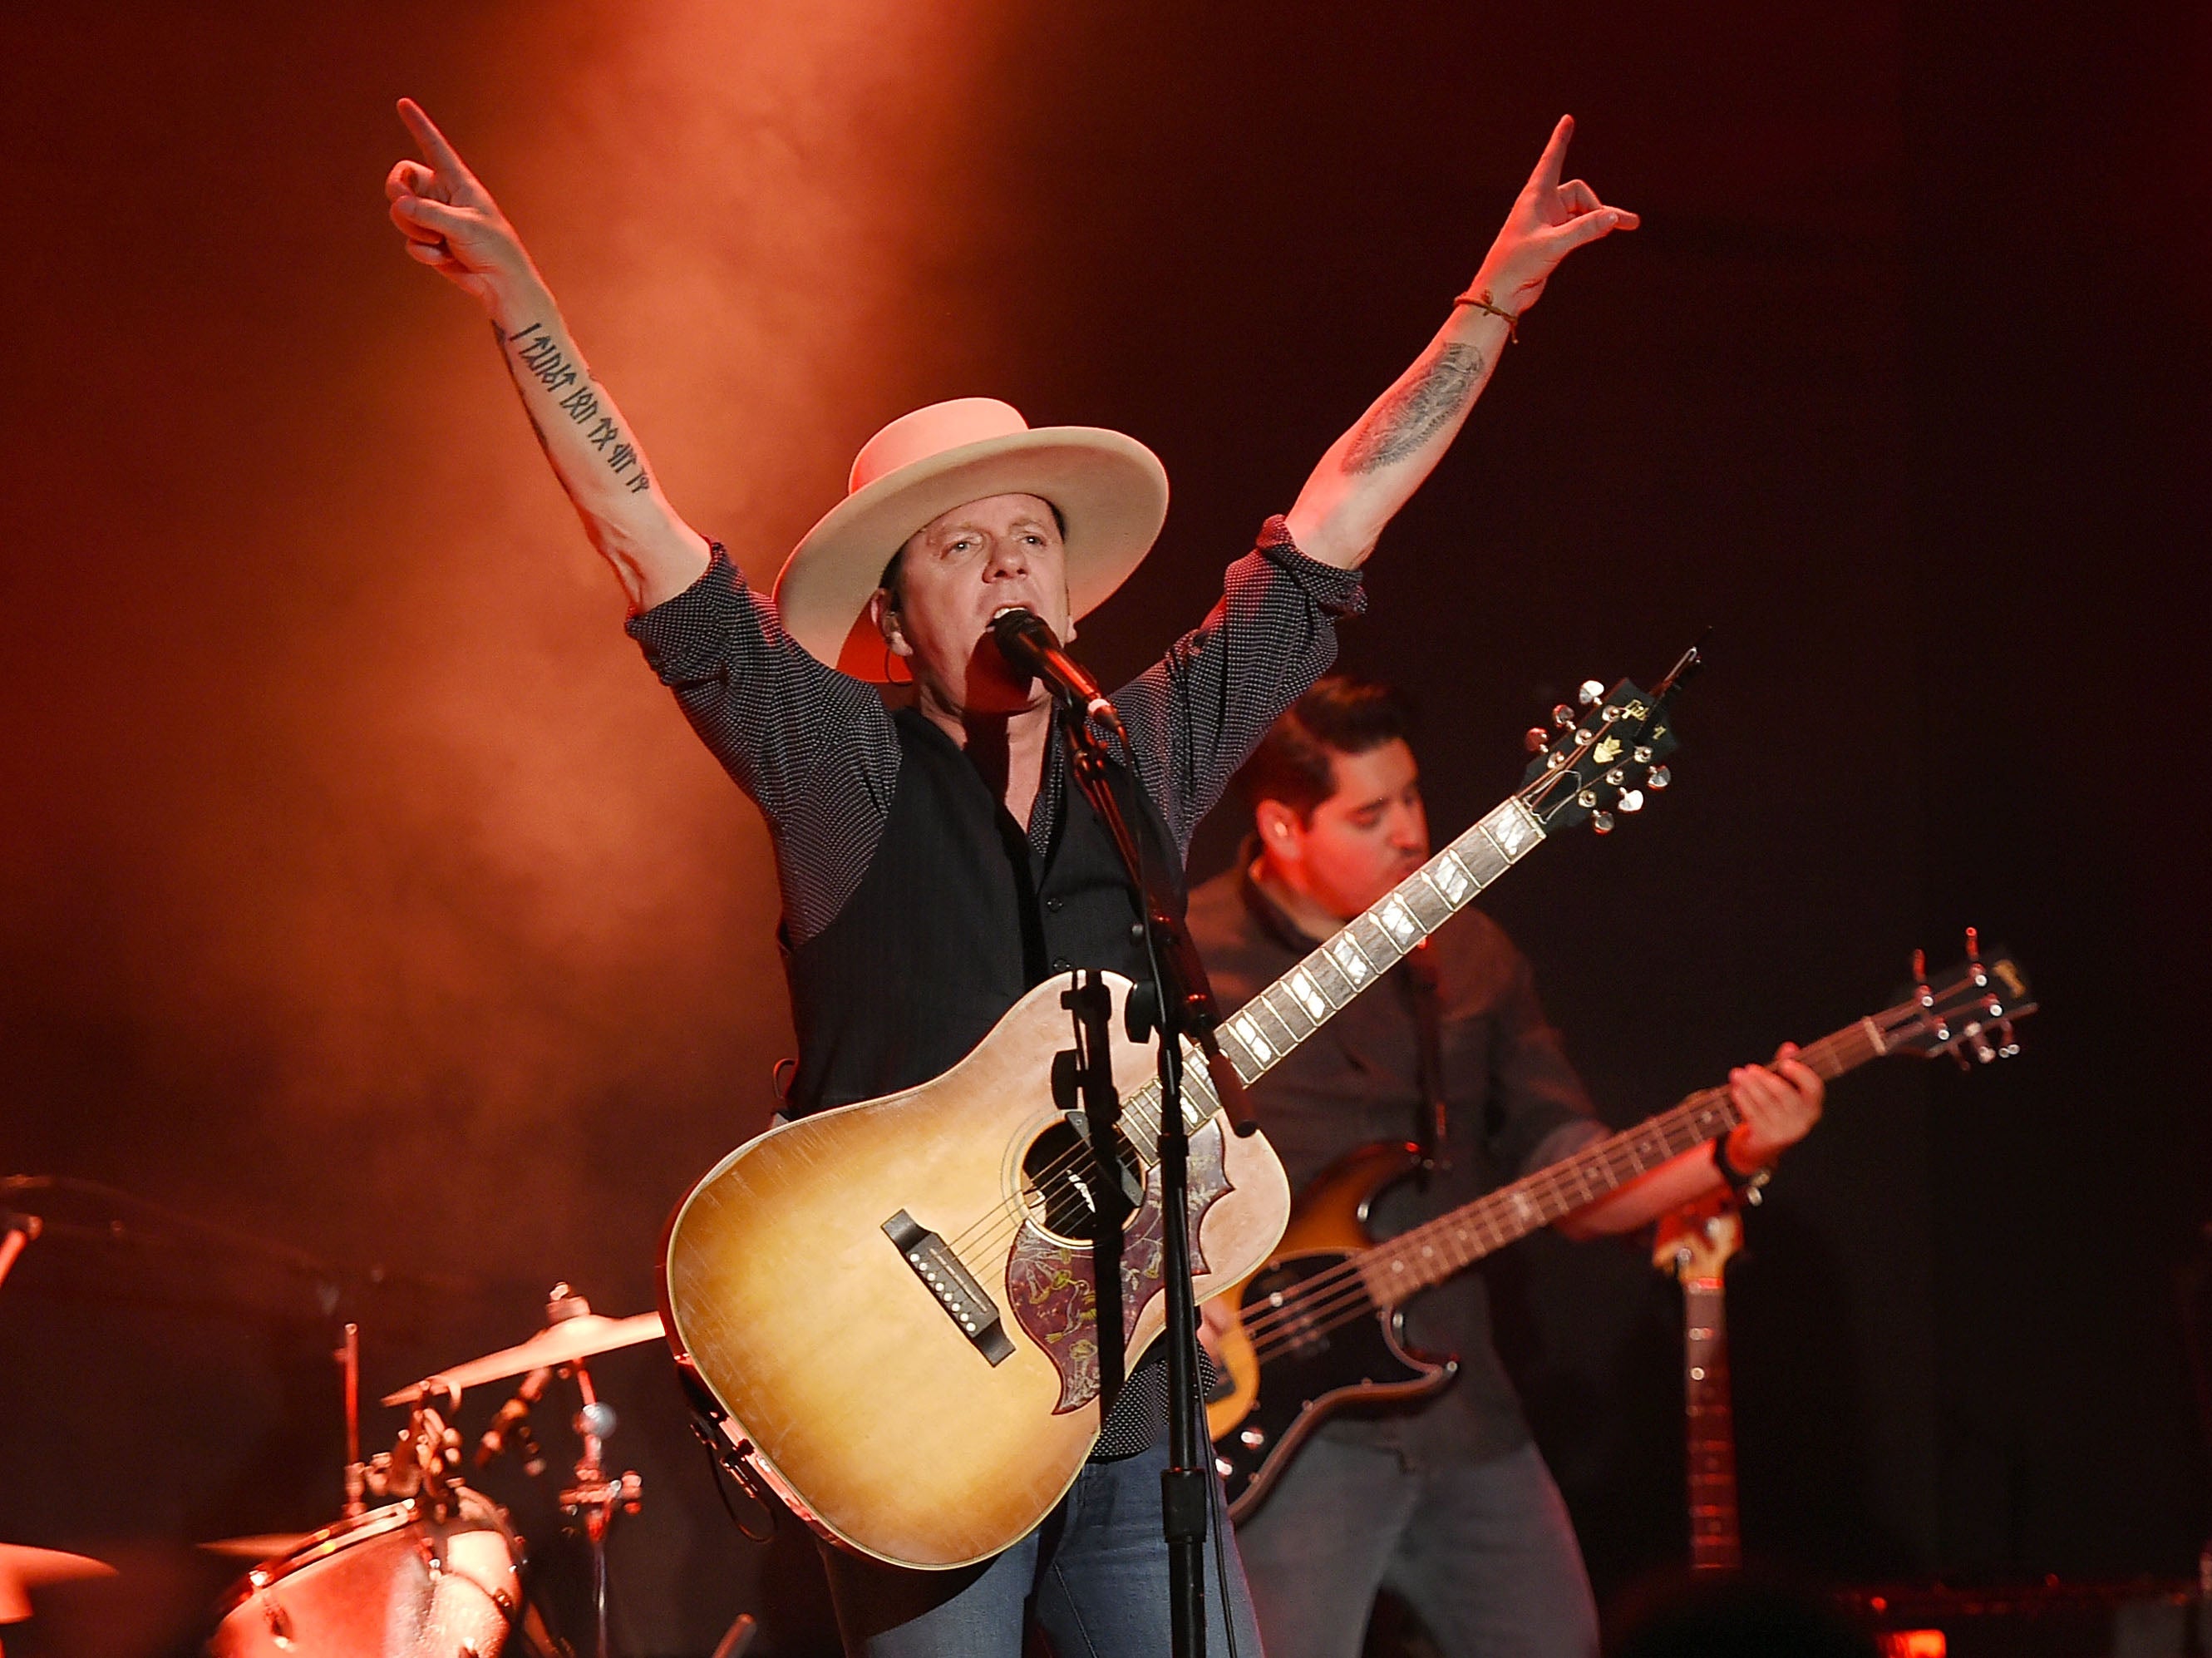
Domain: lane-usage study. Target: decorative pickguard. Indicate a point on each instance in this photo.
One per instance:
(1055, 1295)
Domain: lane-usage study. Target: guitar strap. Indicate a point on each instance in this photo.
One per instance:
(1430, 1133)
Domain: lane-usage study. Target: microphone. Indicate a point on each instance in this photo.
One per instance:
(511, 1419)
(1028, 645)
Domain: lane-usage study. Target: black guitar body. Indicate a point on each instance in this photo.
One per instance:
(1344, 1353)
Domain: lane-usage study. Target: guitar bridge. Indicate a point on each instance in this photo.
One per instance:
(964, 1300)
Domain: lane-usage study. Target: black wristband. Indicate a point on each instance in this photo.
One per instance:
(1748, 1187)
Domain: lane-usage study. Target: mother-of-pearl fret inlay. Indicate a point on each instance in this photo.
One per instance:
(1399, 919)
(1511, 826)
(1302, 987)
(1248, 1034)
(1350, 957)
(1451, 877)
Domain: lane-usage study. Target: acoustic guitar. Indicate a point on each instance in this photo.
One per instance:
(1321, 1327)
(888, 1308)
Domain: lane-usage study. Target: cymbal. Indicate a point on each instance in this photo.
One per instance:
(265, 1546)
(23, 1570)
(580, 1338)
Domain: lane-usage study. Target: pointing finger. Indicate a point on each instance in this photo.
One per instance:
(443, 156)
(1553, 160)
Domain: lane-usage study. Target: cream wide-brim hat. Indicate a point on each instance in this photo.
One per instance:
(1111, 491)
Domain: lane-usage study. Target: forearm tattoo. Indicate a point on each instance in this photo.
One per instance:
(532, 354)
(1416, 411)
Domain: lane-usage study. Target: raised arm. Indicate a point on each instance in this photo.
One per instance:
(1373, 469)
(453, 226)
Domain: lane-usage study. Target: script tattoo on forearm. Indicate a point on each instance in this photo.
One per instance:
(1414, 412)
(536, 355)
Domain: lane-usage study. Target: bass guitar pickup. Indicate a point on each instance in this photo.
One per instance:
(964, 1300)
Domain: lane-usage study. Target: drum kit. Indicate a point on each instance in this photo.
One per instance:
(434, 1569)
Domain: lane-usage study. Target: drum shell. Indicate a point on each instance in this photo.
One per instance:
(394, 1583)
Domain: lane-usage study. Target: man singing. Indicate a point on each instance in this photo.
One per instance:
(934, 862)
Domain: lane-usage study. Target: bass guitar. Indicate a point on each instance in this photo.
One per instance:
(1320, 1328)
(1695, 1245)
(888, 1309)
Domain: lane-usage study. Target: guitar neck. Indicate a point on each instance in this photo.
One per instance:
(1715, 1540)
(1308, 996)
(1430, 1254)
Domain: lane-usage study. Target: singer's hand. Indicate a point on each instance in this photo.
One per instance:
(450, 220)
(1549, 220)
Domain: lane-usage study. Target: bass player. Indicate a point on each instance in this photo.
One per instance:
(1446, 1500)
(934, 863)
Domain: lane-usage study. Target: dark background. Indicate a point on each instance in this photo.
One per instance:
(364, 893)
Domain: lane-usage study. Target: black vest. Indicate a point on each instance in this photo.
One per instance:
(955, 918)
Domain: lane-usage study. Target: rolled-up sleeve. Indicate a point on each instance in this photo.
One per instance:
(814, 748)
(1196, 714)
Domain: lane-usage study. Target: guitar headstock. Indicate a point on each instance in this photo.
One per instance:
(1699, 1240)
(1968, 1011)
(1601, 759)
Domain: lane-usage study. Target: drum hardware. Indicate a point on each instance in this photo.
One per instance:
(451, 1580)
(573, 1334)
(356, 1473)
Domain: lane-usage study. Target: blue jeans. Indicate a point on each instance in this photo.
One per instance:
(1094, 1576)
(1482, 1551)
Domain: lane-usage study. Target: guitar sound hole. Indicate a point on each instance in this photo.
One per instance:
(1061, 1180)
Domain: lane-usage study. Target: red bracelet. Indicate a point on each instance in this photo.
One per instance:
(1481, 302)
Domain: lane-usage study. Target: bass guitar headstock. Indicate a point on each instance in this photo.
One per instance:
(1698, 1241)
(1968, 1013)
(1592, 762)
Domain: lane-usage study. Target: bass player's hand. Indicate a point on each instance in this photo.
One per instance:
(1780, 1105)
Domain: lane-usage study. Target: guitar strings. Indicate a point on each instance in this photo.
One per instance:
(1317, 1296)
(1272, 1333)
(985, 1233)
(1083, 1159)
(1301, 1302)
(1003, 1222)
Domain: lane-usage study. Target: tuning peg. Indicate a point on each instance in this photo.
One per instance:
(1602, 823)
(1616, 777)
(1536, 739)
(1633, 801)
(1973, 945)
(2009, 1045)
(1660, 778)
(1587, 800)
(1641, 753)
(1562, 715)
(1590, 692)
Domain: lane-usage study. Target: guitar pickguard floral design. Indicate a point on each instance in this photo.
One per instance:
(1054, 1291)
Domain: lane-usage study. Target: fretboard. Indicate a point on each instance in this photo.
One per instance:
(1715, 1541)
(1303, 1000)
(1308, 996)
(1432, 1251)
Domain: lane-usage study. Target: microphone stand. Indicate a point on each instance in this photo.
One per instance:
(1178, 1004)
